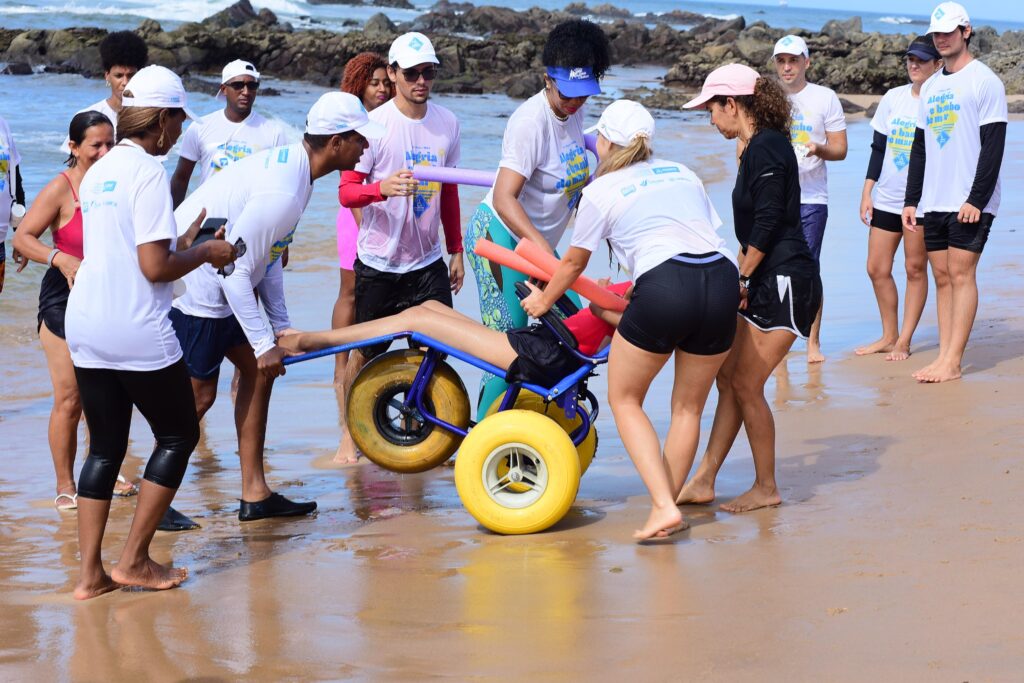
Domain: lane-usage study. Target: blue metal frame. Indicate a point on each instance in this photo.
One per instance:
(561, 393)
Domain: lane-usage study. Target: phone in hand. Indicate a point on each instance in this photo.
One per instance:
(209, 229)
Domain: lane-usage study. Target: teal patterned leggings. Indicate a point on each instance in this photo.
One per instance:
(499, 305)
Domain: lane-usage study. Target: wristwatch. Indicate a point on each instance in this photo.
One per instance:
(745, 281)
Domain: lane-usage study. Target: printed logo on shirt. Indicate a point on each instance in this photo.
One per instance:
(900, 140)
(942, 115)
(422, 155)
(628, 190)
(577, 170)
(661, 170)
(799, 132)
(104, 186)
(227, 153)
(278, 248)
(5, 167)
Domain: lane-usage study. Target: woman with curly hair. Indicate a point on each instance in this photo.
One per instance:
(542, 172)
(366, 77)
(780, 288)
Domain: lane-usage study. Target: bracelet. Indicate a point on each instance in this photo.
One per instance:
(53, 255)
(745, 281)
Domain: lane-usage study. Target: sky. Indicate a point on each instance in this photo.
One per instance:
(1007, 10)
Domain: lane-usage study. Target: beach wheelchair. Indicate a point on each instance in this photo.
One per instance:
(518, 470)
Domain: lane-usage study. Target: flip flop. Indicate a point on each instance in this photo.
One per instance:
(125, 493)
(72, 505)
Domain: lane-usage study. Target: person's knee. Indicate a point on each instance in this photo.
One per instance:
(99, 471)
(961, 276)
(746, 388)
(916, 270)
(67, 404)
(205, 392)
(941, 277)
(169, 460)
(879, 270)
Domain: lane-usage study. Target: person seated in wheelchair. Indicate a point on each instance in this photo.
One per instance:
(531, 354)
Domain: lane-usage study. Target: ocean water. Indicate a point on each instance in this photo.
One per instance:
(119, 14)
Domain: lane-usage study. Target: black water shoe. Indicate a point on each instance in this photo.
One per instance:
(175, 521)
(274, 505)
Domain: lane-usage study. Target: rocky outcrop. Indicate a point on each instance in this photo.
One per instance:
(495, 49)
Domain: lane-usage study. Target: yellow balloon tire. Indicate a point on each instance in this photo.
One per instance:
(385, 380)
(546, 459)
(528, 400)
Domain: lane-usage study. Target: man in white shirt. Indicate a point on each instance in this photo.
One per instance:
(228, 135)
(954, 179)
(818, 132)
(262, 198)
(400, 263)
(11, 192)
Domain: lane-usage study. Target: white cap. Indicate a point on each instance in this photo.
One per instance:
(947, 17)
(340, 112)
(234, 69)
(791, 45)
(156, 86)
(410, 49)
(622, 121)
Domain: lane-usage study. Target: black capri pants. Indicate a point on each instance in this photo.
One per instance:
(165, 399)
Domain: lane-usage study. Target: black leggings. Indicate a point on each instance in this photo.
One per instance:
(165, 399)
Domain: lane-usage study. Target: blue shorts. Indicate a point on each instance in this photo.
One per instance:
(813, 218)
(205, 341)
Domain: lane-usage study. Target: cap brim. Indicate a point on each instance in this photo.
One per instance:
(942, 27)
(584, 88)
(432, 59)
(699, 101)
(798, 53)
(371, 130)
(190, 114)
(922, 54)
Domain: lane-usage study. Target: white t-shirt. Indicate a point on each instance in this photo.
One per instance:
(103, 108)
(9, 160)
(649, 212)
(116, 318)
(401, 234)
(552, 156)
(262, 197)
(214, 142)
(952, 110)
(895, 118)
(816, 111)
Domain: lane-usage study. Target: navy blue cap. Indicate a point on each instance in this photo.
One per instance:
(923, 47)
(576, 81)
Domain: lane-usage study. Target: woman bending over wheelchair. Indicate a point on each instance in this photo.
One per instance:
(662, 229)
(531, 354)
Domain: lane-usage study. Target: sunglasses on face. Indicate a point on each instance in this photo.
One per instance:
(238, 86)
(413, 75)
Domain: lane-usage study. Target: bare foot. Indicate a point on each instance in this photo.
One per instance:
(814, 354)
(940, 372)
(94, 587)
(149, 575)
(347, 453)
(661, 523)
(899, 352)
(880, 346)
(925, 370)
(696, 492)
(757, 497)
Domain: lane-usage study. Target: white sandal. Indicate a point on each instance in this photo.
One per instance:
(73, 505)
(127, 493)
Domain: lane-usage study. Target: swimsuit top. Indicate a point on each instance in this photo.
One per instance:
(68, 238)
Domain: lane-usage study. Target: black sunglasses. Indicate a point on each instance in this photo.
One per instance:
(237, 86)
(226, 270)
(413, 75)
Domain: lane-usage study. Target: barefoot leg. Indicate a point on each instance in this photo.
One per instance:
(916, 266)
(93, 579)
(939, 261)
(135, 567)
(882, 246)
(630, 372)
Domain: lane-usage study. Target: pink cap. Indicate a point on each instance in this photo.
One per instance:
(729, 80)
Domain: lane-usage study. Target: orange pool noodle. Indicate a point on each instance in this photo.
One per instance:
(583, 286)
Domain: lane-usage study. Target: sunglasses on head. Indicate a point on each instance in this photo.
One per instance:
(237, 86)
(412, 75)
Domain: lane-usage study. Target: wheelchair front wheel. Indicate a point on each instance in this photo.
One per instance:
(527, 400)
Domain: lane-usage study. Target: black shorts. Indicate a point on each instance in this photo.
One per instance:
(205, 341)
(783, 302)
(380, 294)
(942, 230)
(542, 359)
(686, 305)
(53, 301)
(885, 220)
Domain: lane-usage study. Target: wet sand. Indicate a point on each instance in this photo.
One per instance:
(896, 555)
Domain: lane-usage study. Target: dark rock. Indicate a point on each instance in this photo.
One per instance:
(525, 86)
(397, 4)
(234, 16)
(379, 24)
(850, 107)
(678, 17)
(870, 111)
(446, 6)
(17, 69)
(842, 29)
(604, 10)
(1015, 107)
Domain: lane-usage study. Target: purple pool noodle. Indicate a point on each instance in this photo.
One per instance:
(590, 141)
(455, 176)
